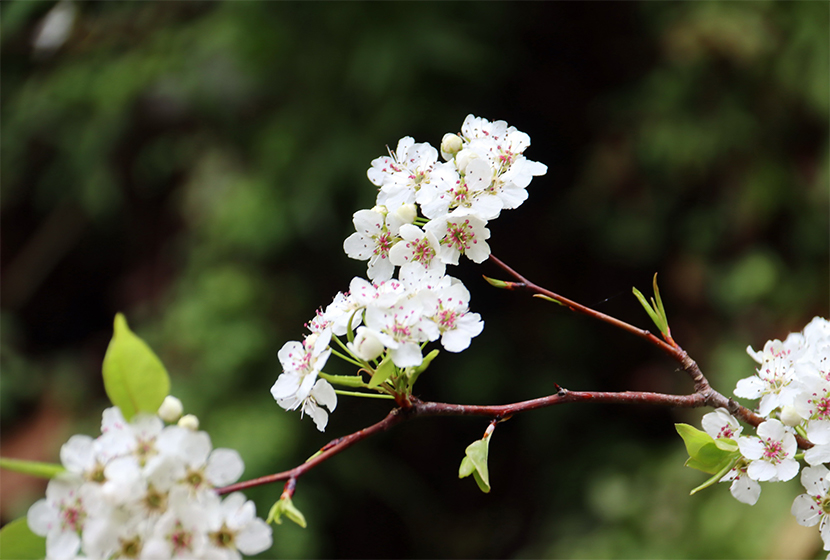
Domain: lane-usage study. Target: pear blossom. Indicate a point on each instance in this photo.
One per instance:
(774, 384)
(61, 517)
(721, 424)
(301, 362)
(233, 527)
(813, 508)
(455, 323)
(743, 488)
(419, 249)
(469, 191)
(403, 173)
(139, 490)
(770, 454)
(376, 234)
(461, 234)
(401, 329)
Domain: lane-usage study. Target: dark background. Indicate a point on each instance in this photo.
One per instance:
(196, 166)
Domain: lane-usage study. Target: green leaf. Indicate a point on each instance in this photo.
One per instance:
(467, 467)
(18, 542)
(134, 378)
(693, 438)
(286, 507)
(475, 463)
(547, 298)
(705, 454)
(33, 468)
(659, 304)
(654, 309)
(344, 380)
(727, 444)
(382, 373)
(495, 283)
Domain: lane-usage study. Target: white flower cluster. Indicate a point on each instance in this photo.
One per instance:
(793, 385)
(393, 317)
(146, 490)
(483, 172)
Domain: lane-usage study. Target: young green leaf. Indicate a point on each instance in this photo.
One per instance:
(475, 463)
(705, 454)
(32, 468)
(382, 373)
(134, 378)
(693, 438)
(655, 309)
(495, 283)
(18, 542)
(285, 507)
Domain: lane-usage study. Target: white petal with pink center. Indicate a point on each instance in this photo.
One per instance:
(419, 249)
(721, 424)
(771, 453)
(376, 234)
(461, 234)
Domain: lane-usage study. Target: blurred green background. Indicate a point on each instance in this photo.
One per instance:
(196, 166)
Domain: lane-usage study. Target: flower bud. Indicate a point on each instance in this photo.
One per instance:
(380, 209)
(450, 145)
(366, 346)
(463, 159)
(790, 417)
(171, 409)
(189, 421)
(406, 213)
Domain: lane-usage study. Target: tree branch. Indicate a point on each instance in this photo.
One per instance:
(411, 407)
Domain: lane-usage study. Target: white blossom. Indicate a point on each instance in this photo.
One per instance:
(813, 508)
(770, 454)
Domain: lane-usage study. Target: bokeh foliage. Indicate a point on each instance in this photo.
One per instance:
(195, 165)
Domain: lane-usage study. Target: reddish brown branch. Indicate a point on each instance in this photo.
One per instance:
(411, 407)
(329, 450)
(423, 409)
(524, 283)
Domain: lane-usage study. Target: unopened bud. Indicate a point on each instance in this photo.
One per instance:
(463, 159)
(790, 417)
(171, 409)
(366, 346)
(406, 213)
(380, 209)
(450, 145)
(189, 421)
